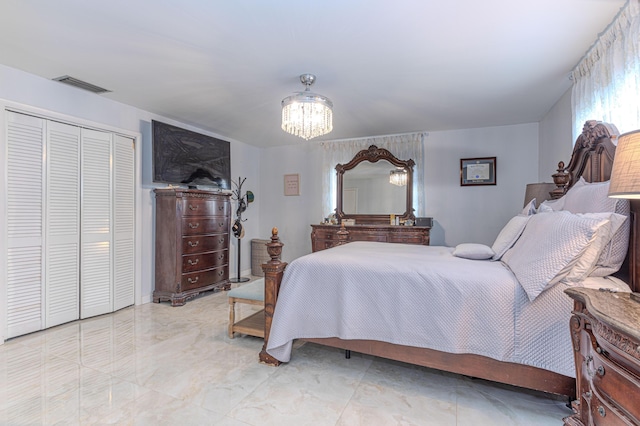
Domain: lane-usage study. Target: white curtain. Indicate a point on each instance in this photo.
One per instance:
(607, 80)
(404, 147)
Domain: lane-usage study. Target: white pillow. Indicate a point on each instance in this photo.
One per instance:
(530, 208)
(587, 262)
(551, 205)
(473, 251)
(548, 248)
(508, 235)
(585, 197)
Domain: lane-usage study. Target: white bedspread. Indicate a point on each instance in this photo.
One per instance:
(420, 296)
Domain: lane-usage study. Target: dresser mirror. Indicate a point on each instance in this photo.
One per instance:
(365, 191)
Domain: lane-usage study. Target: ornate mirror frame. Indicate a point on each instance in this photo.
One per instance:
(374, 154)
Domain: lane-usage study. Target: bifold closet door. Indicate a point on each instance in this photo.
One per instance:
(25, 235)
(62, 223)
(124, 219)
(96, 229)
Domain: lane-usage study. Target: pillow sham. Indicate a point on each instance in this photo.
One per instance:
(530, 208)
(508, 235)
(585, 197)
(551, 205)
(587, 262)
(473, 251)
(548, 248)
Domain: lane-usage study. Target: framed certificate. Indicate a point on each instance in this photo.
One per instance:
(292, 184)
(478, 171)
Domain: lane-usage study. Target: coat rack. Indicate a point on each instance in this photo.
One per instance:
(237, 228)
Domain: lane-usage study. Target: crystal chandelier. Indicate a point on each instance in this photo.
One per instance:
(398, 177)
(307, 114)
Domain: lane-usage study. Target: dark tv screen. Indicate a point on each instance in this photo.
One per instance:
(183, 157)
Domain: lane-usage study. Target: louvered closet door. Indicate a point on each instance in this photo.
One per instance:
(25, 179)
(62, 246)
(124, 194)
(96, 230)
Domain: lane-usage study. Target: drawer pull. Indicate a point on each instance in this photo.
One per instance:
(193, 262)
(220, 256)
(192, 244)
(221, 273)
(220, 224)
(600, 370)
(601, 411)
(193, 281)
(193, 207)
(220, 208)
(221, 240)
(192, 226)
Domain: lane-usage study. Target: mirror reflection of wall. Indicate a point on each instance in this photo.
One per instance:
(367, 190)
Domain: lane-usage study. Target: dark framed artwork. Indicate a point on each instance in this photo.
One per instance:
(478, 171)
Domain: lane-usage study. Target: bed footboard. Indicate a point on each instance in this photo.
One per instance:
(273, 271)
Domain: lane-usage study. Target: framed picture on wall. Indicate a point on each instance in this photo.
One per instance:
(292, 184)
(478, 171)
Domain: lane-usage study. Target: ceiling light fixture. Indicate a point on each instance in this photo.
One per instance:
(307, 114)
(398, 177)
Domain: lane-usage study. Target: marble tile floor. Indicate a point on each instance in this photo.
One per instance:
(158, 365)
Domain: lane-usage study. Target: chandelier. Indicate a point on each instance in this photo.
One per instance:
(398, 177)
(307, 114)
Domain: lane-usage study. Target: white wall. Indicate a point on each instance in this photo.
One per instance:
(475, 214)
(39, 95)
(461, 214)
(556, 143)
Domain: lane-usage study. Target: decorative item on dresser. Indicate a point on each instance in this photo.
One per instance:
(326, 236)
(192, 243)
(605, 329)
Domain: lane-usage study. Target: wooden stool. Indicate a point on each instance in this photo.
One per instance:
(252, 294)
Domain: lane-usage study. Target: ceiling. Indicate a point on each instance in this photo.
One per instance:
(389, 67)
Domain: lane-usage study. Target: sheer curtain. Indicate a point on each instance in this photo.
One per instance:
(607, 80)
(404, 146)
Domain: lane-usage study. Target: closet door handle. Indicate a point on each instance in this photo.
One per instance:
(192, 226)
(192, 244)
(193, 262)
(193, 281)
(193, 207)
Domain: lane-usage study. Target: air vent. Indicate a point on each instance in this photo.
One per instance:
(80, 84)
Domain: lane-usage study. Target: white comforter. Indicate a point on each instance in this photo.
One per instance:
(420, 296)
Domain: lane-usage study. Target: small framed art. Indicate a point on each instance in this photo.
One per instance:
(292, 184)
(478, 171)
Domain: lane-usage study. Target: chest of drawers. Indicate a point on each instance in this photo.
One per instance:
(326, 236)
(192, 243)
(605, 330)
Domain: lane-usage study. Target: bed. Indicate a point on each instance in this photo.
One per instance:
(505, 318)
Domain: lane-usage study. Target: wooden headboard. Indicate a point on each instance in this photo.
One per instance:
(592, 158)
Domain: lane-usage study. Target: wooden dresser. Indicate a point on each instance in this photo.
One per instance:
(605, 330)
(326, 236)
(192, 243)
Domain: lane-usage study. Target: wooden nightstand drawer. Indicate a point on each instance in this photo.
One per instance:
(204, 225)
(196, 262)
(615, 384)
(198, 207)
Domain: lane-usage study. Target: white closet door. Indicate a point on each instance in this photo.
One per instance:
(25, 179)
(96, 230)
(124, 194)
(62, 248)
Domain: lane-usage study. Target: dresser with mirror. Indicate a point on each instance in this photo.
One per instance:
(373, 189)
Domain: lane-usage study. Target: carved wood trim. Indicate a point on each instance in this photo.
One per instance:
(624, 343)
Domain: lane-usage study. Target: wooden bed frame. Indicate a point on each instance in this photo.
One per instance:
(592, 158)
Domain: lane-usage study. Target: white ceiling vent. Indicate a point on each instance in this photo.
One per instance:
(81, 84)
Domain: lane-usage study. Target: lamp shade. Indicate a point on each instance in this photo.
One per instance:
(625, 175)
(539, 191)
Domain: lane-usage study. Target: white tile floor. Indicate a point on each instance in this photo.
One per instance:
(158, 365)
